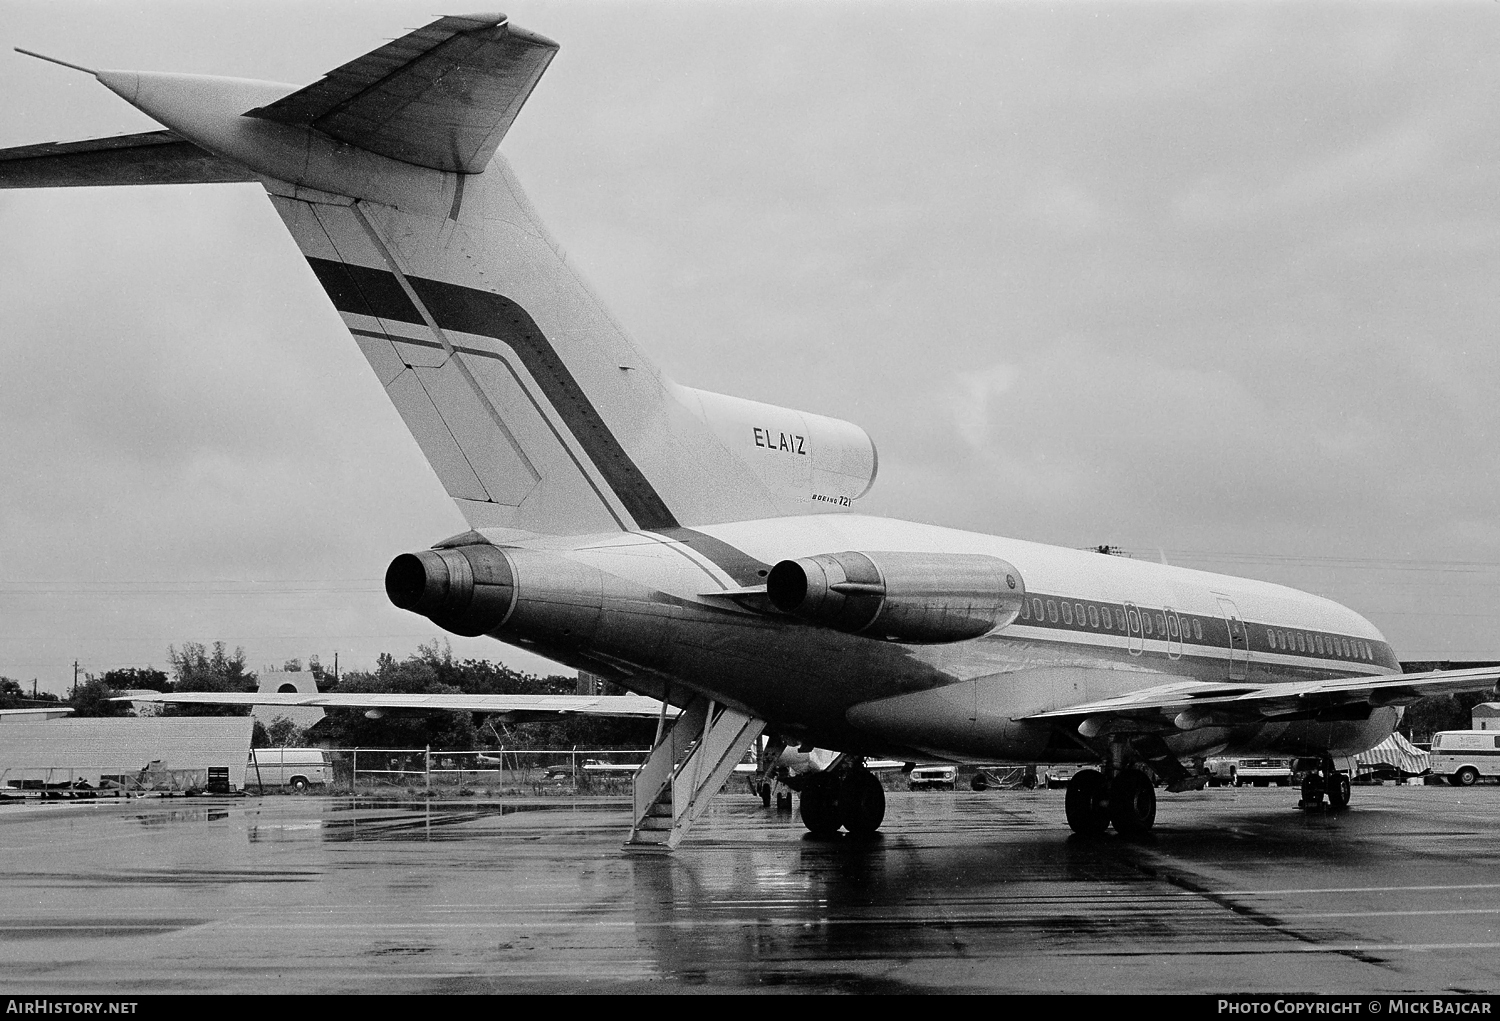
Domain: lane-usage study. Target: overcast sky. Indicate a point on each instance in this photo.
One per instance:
(1214, 283)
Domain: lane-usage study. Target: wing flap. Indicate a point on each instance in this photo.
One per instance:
(441, 97)
(152, 157)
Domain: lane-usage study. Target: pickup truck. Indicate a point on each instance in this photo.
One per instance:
(1236, 772)
(928, 778)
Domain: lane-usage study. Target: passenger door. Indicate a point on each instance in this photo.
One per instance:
(1239, 638)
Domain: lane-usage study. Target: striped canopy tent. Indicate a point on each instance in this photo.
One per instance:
(1398, 753)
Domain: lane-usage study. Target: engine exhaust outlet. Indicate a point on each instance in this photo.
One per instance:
(468, 590)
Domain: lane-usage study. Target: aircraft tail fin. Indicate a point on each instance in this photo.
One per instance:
(532, 405)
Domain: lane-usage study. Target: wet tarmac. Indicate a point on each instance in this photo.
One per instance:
(1237, 891)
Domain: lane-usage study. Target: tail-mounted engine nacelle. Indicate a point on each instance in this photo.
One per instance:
(469, 590)
(907, 597)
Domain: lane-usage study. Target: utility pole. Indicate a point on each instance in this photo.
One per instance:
(75, 679)
(335, 668)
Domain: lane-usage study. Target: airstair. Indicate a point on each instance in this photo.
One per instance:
(688, 765)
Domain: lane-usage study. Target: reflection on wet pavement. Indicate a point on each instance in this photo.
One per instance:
(1236, 891)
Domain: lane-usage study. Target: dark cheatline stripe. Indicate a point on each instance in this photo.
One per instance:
(740, 566)
(376, 292)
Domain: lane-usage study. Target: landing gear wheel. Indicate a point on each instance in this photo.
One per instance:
(1087, 803)
(765, 795)
(861, 803)
(1338, 790)
(978, 783)
(784, 801)
(1465, 777)
(1132, 803)
(820, 812)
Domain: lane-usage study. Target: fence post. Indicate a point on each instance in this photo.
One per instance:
(354, 773)
(427, 767)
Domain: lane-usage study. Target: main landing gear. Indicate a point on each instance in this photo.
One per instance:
(1127, 801)
(1325, 781)
(850, 798)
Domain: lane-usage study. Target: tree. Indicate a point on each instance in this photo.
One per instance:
(282, 733)
(137, 679)
(91, 698)
(198, 669)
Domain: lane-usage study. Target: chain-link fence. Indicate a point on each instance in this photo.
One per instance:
(498, 772)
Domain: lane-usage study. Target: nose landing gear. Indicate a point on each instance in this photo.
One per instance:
(1325, 781)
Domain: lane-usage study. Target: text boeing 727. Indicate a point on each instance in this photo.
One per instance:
(698, 548)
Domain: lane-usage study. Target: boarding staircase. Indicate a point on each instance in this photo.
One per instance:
(688, 765)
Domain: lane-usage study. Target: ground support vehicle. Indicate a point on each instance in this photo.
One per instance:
(1463, 756)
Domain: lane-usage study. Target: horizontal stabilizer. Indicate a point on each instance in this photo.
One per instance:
(441, 97)
(153, 157)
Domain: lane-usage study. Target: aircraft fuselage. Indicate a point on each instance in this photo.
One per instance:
(650, 609)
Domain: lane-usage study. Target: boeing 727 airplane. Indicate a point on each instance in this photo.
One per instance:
(700, 549)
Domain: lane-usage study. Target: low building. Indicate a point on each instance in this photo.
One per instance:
(1485, 716)
(67, 751)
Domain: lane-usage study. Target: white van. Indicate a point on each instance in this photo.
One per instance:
(297, 768)
(1463, 756)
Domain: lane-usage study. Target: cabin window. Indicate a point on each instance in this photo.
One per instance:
(1301, 642)
(1135, 621)
(1344, 644)
(1369, 652)
(1067, 613)
(1078, 613)
(1172, 627)
(1025, 609)
(1107, 618)
(1197, 630)
(1146, 623)
(1318, 641)
(1093, 616)
(1036, 609)
(1052, 610)
(1270, 638)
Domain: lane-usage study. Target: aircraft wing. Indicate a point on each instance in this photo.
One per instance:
(516, 708)
(1192, 704)
(152, 157)
(441, 97)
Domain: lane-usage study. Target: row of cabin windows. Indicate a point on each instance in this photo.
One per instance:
(1321, 645)
(1166, 625)
(1149, 623)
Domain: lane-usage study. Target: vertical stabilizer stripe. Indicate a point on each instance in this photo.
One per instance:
(377, 292)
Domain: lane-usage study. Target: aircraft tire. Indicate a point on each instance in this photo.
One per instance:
(861, 803)
(1087, 803)
(1132, 803)
(820, 810)
(1339, 790)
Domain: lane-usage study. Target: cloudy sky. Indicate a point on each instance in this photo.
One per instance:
(1214, 283)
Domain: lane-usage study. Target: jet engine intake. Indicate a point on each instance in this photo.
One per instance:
(469, 590)
(906, 597)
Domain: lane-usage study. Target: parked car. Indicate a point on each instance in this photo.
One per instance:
(592, 767)
(929, 778)
(1059, 774)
